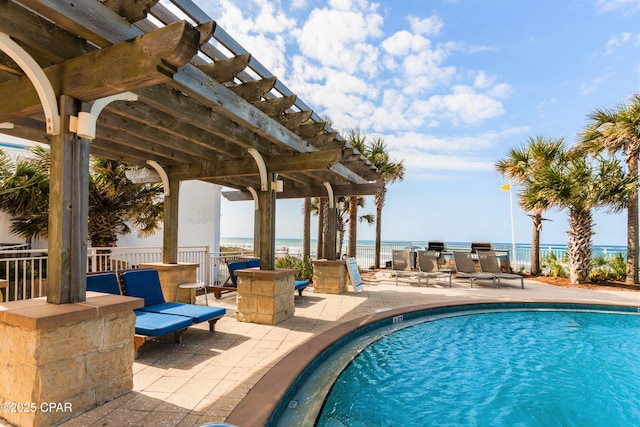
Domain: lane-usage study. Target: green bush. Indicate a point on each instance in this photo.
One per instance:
(303, 265)
(613, 267)
(554, 267)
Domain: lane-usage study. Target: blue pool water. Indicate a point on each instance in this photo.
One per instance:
(516, 368)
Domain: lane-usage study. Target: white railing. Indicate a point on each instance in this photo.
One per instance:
(25, 270)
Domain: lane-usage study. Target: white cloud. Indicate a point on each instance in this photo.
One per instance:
(463, 106)
(339, 37)
(404, 42)
(628, 6)
(483, 81)
(430, 25)
(620, 40)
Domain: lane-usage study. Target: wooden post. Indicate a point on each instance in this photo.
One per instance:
(331, 227)
(170, 236)
(256, 229)
(267, 202)
(68, 211)
(306, 243)
(321, 223)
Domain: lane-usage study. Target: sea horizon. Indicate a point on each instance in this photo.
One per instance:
(282, 242)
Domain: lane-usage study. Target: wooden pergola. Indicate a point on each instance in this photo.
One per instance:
(158, 85)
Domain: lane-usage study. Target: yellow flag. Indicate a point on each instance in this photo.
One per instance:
(506, 187)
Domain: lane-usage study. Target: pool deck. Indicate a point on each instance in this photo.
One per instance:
(206, 377)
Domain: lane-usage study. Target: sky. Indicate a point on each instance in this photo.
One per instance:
(451, 86)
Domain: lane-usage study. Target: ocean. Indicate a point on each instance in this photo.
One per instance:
(365, 249)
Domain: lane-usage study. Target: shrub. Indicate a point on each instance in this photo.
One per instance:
(554, 267)
(303, 265)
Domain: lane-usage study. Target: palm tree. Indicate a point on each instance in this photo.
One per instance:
(358, 141)
(389, 171)
(573, 183)
(614, 131)
(344, 217)
(114, 201)
(24, 193)
(520, 166)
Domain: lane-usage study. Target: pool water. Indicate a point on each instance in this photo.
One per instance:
(515, 368)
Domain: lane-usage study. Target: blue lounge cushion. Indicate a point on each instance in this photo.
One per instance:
(143, 283)
(103, 282)
(298, 284)
(198, 313)
(155, 324)
(241, 264)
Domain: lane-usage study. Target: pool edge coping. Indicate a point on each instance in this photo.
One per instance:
(259, 404)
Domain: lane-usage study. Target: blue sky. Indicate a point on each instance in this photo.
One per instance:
(451, 86)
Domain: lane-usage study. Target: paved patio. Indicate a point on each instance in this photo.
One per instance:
(204, 378)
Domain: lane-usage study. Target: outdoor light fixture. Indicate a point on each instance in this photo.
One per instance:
(86, 122)
(277, 186)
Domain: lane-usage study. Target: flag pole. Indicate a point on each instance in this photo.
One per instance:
(507, 187)
(513, 230)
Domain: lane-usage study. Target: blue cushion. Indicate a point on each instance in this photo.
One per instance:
(199, 313)
(143, 283)
(155, 324)
(241, 264)
(103, 282)
(300, 284)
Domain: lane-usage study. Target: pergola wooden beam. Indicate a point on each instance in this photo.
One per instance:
(226, 70)
(274, 107)
(247, 166)
(144, 61)
(318, 191)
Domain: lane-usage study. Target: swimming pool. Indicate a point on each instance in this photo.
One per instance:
(541, 364)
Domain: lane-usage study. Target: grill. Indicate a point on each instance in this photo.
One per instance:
(436, 246)
(480, 246)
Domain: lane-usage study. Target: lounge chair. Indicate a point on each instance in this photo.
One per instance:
(466, 268)
(145, 283)
(489, 264)
(428, 264)
(231, 284)
(401, 264)
(148, 325)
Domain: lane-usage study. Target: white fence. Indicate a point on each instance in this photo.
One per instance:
(25, 270)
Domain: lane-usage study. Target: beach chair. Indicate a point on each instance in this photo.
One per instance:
(148, 325)
(145, 283)
(428, 264)
(401, 265)
(466, 268)
(489, 264)
(231, 284)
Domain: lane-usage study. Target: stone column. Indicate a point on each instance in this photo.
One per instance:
(329, 277)
(63, 360)
(265, 296)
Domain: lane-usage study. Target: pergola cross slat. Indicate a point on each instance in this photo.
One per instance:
(204, 103)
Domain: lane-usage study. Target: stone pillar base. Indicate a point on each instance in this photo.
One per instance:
(265, 296)
(63, 360)
(171, 275)
(329, 277)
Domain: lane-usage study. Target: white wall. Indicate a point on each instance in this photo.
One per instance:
(198, 218)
